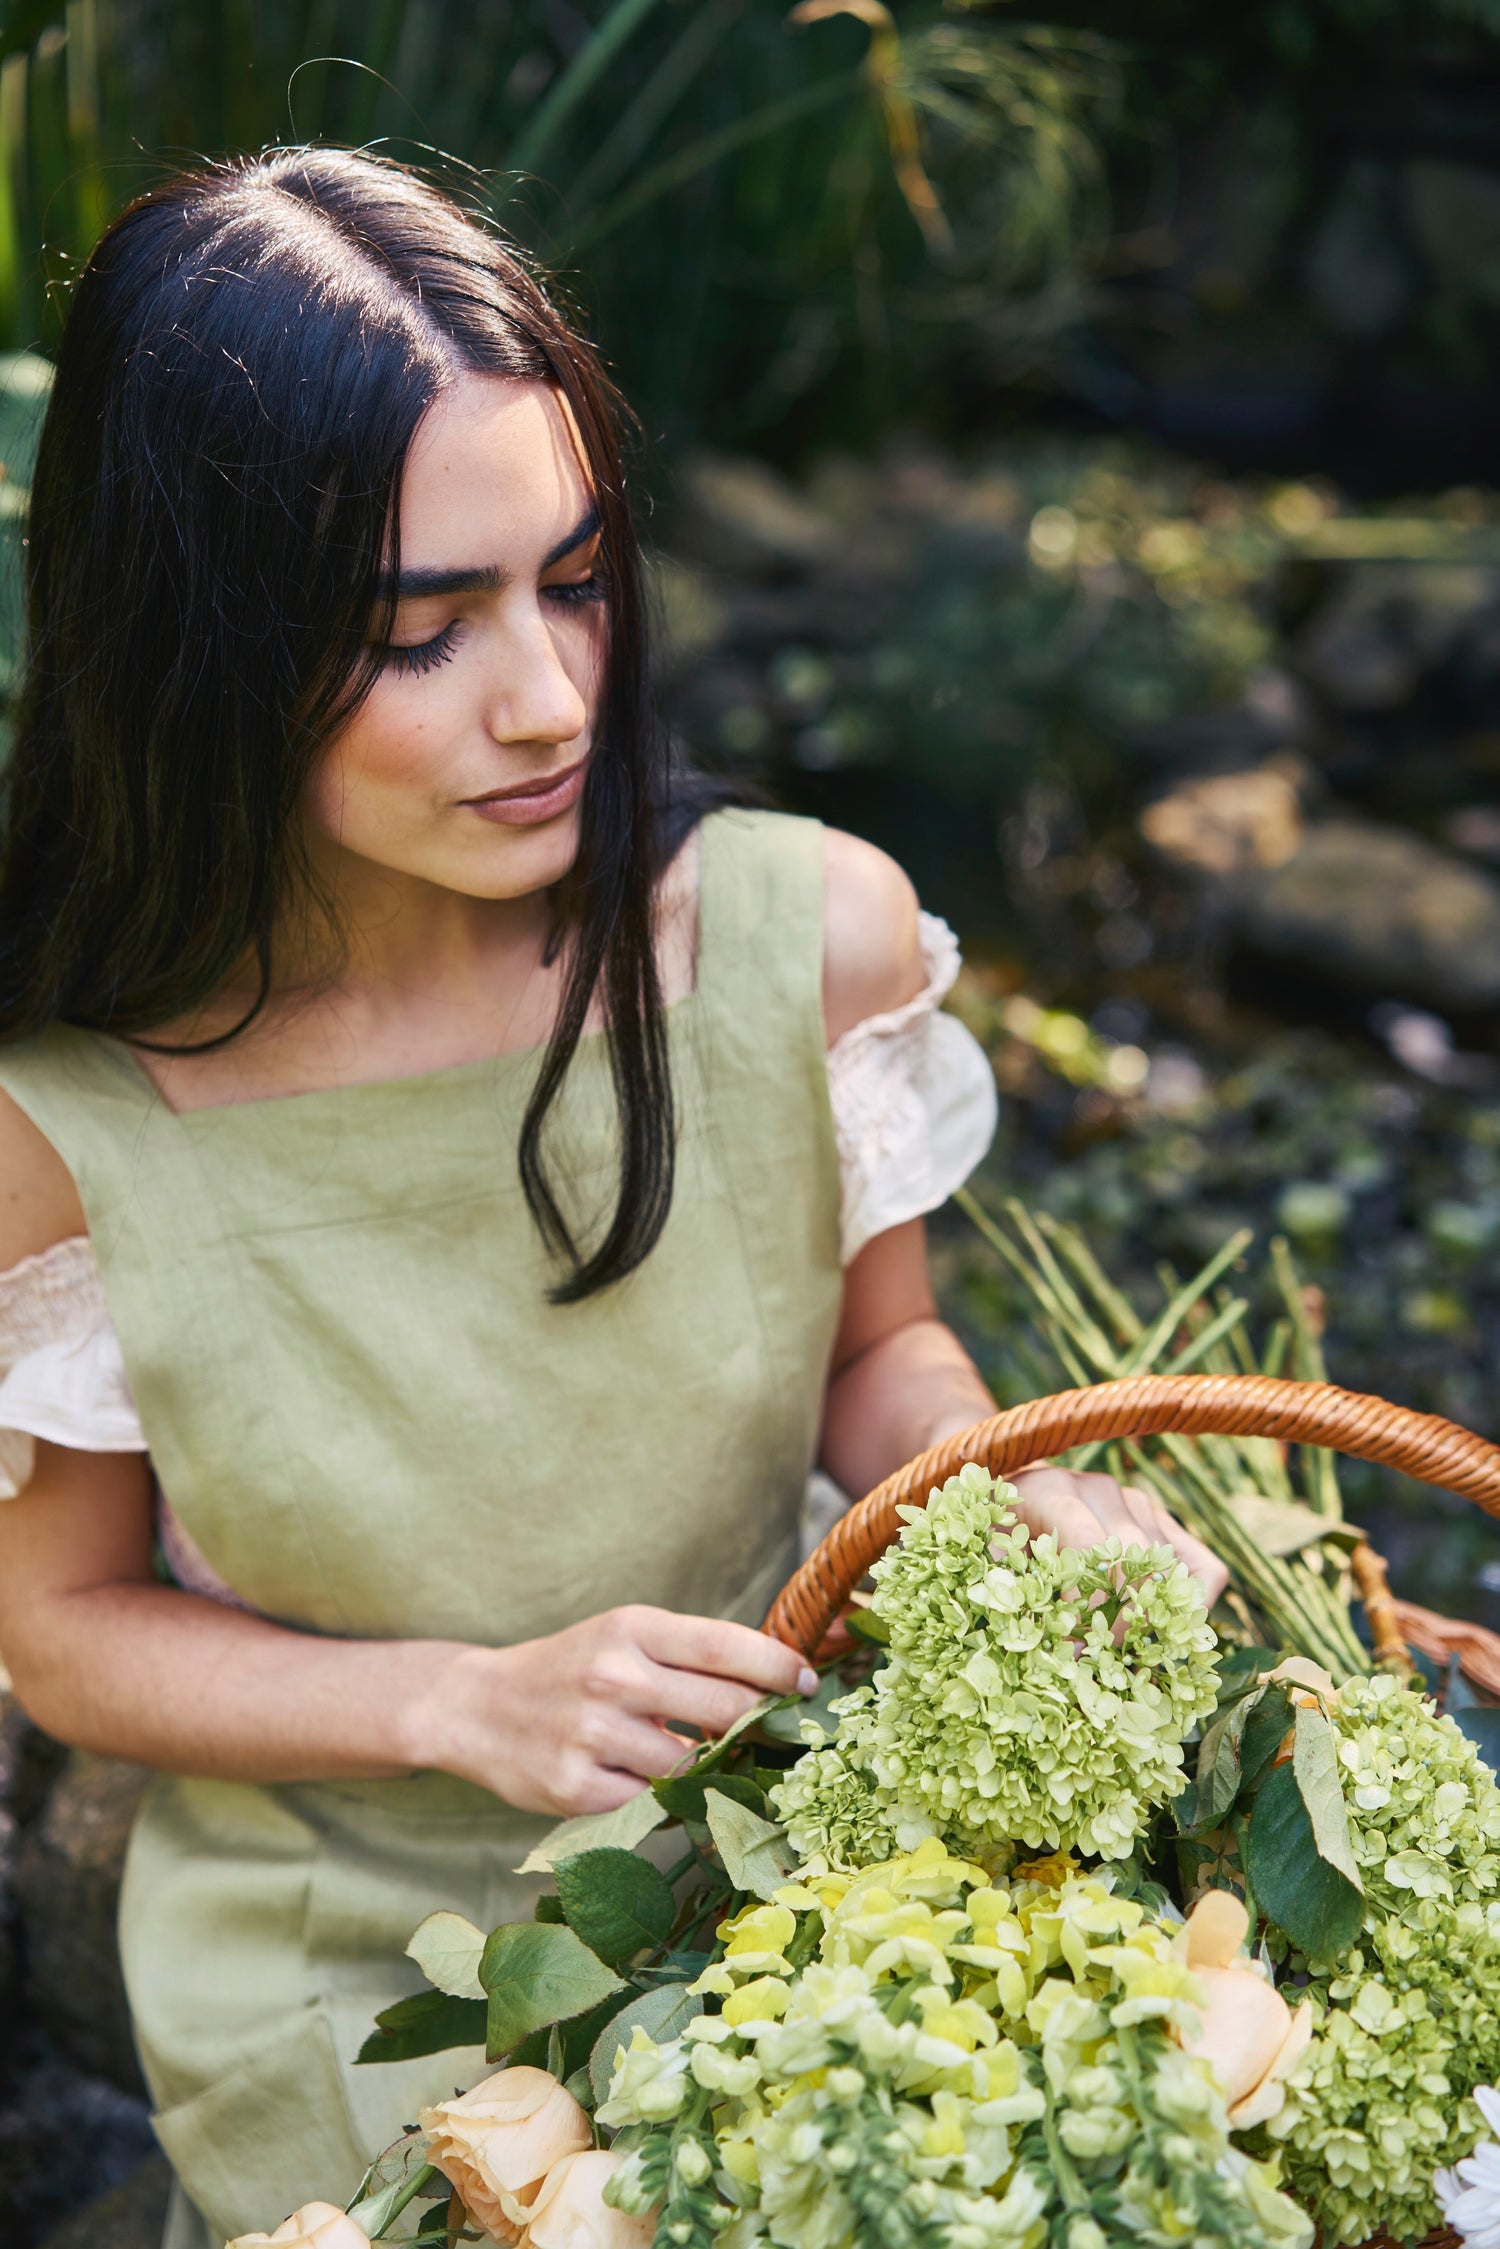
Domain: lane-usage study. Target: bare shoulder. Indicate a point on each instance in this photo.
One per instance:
(39, 1203)
(872, 954)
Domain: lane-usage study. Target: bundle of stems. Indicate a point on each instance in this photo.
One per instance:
(1289, 1587)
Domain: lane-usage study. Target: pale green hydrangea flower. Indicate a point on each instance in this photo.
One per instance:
(1030, 1696)
(1410, 2019)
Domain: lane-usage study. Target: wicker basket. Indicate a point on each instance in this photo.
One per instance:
(1186, 1405)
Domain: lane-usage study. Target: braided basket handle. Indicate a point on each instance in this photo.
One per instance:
(1147, 1405)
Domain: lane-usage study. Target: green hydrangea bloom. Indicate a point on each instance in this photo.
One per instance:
(1410, 2019)
(1030, 1696)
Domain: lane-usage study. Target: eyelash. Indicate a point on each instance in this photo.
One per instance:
(425, 655)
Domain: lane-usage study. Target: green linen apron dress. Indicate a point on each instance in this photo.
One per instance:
(360, 1405)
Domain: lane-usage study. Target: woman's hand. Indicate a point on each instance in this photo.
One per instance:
(580, 1721)
(1081, 1509)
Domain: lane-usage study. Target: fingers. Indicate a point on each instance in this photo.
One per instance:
(723, 1651)
(626, 1744)
(712, 1705)
(1076, 1509)
(1081, 1508)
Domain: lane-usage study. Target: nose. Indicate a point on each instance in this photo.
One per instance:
(533, 696)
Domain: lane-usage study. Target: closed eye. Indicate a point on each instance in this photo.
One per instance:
(422, 655)
(572, 593)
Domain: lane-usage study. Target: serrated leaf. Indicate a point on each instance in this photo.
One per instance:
(537, 1973)
(427, 2023)
(1482, 1725)
(619, 1904)
(1315, 1761)
(448, 1950)
(662, 2014)
(619, 1830)
(386, 2182)
(756, 1854)
(1293, 1883)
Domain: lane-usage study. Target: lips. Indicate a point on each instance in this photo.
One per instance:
(528, 803)
(544, 785)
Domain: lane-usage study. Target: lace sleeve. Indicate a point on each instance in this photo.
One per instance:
(914, 1104)
(61, 1372)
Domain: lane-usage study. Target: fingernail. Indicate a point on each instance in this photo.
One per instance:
(807, 1680)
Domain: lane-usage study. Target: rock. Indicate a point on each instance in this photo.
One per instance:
(1378, 908)
(68, 1888)
(65, 2139)
(131, 2217)
(1369, 647)
(1228, 824)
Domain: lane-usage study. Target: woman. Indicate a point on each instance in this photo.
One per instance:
(452, 1193)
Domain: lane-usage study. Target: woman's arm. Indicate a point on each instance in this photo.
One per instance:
(104, 1657)
(900, 1379)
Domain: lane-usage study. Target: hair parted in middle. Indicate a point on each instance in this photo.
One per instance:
(214, 525)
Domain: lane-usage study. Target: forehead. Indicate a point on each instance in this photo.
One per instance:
(495, 474)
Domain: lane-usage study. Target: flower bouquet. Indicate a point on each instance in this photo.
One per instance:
(1067, 1916)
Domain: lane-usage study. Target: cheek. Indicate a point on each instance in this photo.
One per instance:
(387, 752)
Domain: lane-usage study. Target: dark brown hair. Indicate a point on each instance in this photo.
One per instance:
(248, 354)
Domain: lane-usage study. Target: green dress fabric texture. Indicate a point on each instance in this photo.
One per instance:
(368, 1417)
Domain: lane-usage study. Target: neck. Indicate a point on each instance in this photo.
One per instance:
(386, 940)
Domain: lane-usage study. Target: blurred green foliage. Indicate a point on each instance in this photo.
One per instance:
(792, 225)
(747, 201)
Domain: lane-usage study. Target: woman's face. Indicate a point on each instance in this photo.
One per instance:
(463, 768)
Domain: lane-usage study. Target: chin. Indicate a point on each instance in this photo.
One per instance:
(515, 862)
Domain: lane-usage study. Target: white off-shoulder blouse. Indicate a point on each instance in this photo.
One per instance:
(914, 1110)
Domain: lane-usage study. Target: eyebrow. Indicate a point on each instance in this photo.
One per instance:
(419, 585)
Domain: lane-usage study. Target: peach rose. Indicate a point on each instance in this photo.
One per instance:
(571, 2213)
(317, 2225)
(1249, 2037)
(497, 2144)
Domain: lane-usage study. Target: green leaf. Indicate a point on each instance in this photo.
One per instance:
(394, 2179)
(427, 2023)
(785, 1724)
(549, 1909)
(713, 1753)
(1287, 1526)
(684, 1796)
(755, 1851)
(661, 2014)
(448, 1950)
(1482, 1725)
(1265, 1730)
(1219, 1763)
(1315, 1761)
(1293, 1883)
(1240, 1669)
(536, 1974)
(619, 1904)
(619, 1830)
(866, 1625)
